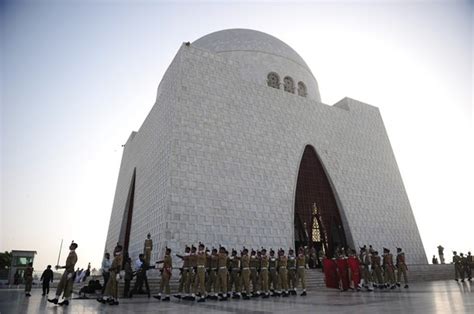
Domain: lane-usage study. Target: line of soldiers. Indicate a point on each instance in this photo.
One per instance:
(462, 266)
(213, 274)
(368, 270)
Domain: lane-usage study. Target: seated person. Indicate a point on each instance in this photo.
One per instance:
(92, 287)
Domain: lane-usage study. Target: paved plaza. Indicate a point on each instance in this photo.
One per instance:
(427, 297)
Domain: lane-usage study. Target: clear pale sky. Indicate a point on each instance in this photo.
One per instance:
(78, 77)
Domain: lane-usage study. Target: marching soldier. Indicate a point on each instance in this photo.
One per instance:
(283, 272)
(212, 282)
(166, 272)
(254, 268)
(457, 265)
(245, 273)
(189, 284)
(342, 271)
(470, 265)
(401, 268)
(147, 248)
(184, 272)
(200, 273)
(388, 268)
(292, 272)
(377, 272)
(28, 275)
(264, 273)
(222, 272)
(66, 282)
(366, 261)
(301, 265)
(234, 274)
(274, 280)
(463, 265)
(354, 270)
(111, 289)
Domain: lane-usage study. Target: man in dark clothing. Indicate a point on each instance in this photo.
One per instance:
(141, 277)
(46, 278)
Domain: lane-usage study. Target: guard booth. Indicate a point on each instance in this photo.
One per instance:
(20, 260)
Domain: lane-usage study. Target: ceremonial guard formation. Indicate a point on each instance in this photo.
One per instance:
(463, 266)
(368, 270)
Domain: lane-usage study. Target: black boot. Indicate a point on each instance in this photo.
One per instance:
(165, 299)
(202, 299)
(65, 302)
(303, 293)
(55, 300)
(158, 297)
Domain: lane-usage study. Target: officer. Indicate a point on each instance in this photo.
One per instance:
(254, 269)
(111, 289)
(401, 267)
(301, 268)
(283, 272)
(166, 272)
(245, 273)
(292, 284)
(222, 272)
(66, 282)
(212, 283)
(184, 272)
(273, 271)
(147, 248)
(264, 263)
(389, 268)
(457, 265)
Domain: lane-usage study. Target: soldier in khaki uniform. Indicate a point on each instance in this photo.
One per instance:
(147, 248)
(200, 278)
(264, 264)
(388, 267)
(28, 275)
(222, 272)
(234, 281)
(245, 273)
(292, 283)
(283, 272)
(463, 266)
(301, 267)
(377, 273)
(401, 268)
(273, 272)
(254, 265)
(66, 282)
(184, 272)
(457, 266)
(111, 289)
(190, 279)
(366, 263)
(470, 265)
(212, 286)
(166, 272)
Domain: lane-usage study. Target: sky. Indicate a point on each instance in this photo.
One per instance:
(78, 76)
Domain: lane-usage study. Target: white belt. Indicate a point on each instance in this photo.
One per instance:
(301, 267)
(245, 268)
(223, 267)
(201, 266)
(263, 268)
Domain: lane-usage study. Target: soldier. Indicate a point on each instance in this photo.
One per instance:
(342, 271)
(292, 284)
(354, 270)
(457, 265)
(66, 282)
(28, 275)
(147, 248)
(222, 265)
(166, 272)
(245, 273)
(184, 272)
(189, 284)
(401, 268)
(366, 261)
(470, 265)
(377, 272)
(254, 269)
(200, 278)
(441, 254)
(234, 274)
(111, 290)
(301, 265)
(283, 272)
(388, 268)
(462, 266)
(273, 272)
(264, 273)
(212, 282)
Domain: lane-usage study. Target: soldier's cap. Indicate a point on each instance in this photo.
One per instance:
(187, 248)
(193, 248)
(118, 248)
(290, 250)
(74, 243)
(376, 252)
(399, 249)
(386, 250)
(201, 244)
(245, 250)
(234, 251)
(454, 252)
(264, 250)
(214, 250)
(253, 252)
(148, 235)
(271, 251)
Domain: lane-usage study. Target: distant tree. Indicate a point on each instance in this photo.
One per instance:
(5, 260)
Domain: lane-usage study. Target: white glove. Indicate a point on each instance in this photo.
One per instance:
(122, 273)
(117, 276)
(69, 276)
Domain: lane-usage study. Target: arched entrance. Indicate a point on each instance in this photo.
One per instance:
(318, 223)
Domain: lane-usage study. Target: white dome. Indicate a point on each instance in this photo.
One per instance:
(260, 54)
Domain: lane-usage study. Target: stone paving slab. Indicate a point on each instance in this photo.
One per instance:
(426, 297)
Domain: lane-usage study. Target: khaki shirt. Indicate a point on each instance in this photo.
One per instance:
(71, 261)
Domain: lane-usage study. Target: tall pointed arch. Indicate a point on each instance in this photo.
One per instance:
(125, 229)
(317, 217)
